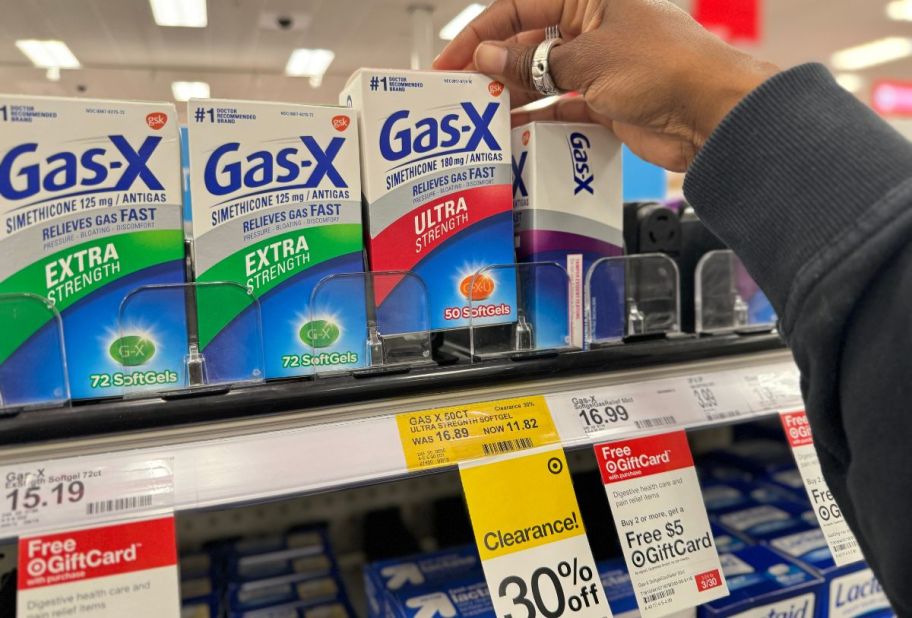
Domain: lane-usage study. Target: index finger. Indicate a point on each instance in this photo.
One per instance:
(500, 21)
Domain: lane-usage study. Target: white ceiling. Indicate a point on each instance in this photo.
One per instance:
(125, 55)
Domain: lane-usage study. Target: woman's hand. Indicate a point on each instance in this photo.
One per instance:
(644, 68)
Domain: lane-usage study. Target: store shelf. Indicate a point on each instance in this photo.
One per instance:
(307, 396)
(300, 451)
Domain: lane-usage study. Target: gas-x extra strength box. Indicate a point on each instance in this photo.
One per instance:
(435, 169)
(90, 200)
(276, 208)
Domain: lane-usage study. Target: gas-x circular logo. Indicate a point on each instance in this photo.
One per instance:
(319, 333)
(132, 350)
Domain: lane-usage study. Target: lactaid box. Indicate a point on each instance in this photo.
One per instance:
(90, 200)
(276, 208)
(764, 584)
(568, 208)
(846, 592)
(465, 597)
(396, 575)
(435, 169)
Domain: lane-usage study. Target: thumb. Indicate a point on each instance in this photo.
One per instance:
(511, 63)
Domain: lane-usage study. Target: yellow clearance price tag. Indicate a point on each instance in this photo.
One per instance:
(531, 538)
(447, 436)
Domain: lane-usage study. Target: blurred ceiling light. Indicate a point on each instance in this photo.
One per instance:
(48, 54)
(871, 54)
(184, 91)
(180, 13)
(900, 10)
(455, 25)
(309, 63)
(850, 81)
(53, 74)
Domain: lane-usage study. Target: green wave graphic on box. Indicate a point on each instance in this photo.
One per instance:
(219, 305)
(135, 251)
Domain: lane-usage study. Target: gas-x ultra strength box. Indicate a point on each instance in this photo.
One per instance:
(435, 169)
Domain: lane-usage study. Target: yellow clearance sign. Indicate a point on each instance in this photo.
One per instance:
(447, 436)
(521, 502)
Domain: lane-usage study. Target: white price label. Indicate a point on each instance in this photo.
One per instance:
(839, 537)
(662, 523)
(717, 397)
(531, 539)
(79, 491)
(625, 409)
(772, 389)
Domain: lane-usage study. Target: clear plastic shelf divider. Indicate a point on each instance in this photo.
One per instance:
(726, 298)
(364, 322)
(185, 338)
(24, 317)
(540, 322)
(631, 296)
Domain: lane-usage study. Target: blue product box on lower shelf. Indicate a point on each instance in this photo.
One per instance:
(295, 588)
(764, 583)
(414, 572)
(759, 522)
(849, 591)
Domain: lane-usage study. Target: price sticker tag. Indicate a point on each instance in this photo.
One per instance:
(717, 397)
(446, 436)
(530, 537)
(112, 571)
(774, 389)
(662, 523)
(616, 410)
(84, 490)
(839, 537)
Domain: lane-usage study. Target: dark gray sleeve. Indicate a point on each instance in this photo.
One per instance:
(813, 191)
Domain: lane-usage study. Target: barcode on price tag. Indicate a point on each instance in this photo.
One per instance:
(65, 493)
(119, 504)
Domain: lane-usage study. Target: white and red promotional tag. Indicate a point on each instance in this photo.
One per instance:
(662, 523)
(112, 571)
(839, 537)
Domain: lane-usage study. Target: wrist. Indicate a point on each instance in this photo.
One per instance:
(726, 94)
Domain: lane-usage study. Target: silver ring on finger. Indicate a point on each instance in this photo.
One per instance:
(541, 70)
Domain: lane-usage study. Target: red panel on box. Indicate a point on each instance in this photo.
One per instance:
(733, 20)
(630, 459)
(892, 98)
(58, 558)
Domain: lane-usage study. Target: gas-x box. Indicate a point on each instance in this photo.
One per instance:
(568, 208)
(276, 208)
(90, 199)
(435, 170)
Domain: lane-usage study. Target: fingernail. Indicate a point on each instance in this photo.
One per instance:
(491, 59)
(434, 62)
